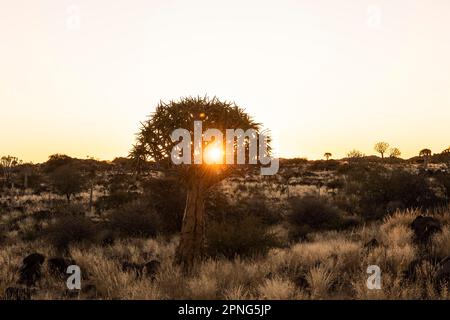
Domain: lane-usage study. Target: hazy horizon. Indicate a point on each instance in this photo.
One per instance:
(322, 76)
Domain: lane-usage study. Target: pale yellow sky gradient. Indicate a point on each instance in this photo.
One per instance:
(322, 75)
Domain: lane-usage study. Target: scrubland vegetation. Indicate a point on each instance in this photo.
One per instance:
(309, 232)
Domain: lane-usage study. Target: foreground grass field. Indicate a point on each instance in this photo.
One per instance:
(327, 265)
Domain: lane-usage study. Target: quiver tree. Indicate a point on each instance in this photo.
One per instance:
(355, 154)
(425, 154)
(90, 168)
(395, 153)
(138, 155)
(327, 155)
(154, 143)
(8, 163)
(25, 171)
(381, 148)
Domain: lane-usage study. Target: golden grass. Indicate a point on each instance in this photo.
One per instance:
(333, 265)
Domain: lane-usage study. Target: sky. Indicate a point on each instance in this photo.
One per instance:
(78, 76)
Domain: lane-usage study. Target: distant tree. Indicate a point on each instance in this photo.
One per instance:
(67, 180)
(394, 153)
(91, 167)
(327, 155)
(425, 154)
(155, 138)
(56, 160)
(138, 155)
(122, 164)
(8, 163)
(355, 154)
(446, 150)
(26, 170)
(381, 148)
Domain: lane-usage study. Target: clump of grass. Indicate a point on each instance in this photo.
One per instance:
(277, 289)
(320, 279)
(441, 242)
(202, 287)
(236, 293)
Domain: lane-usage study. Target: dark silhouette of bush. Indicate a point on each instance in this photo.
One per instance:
(28, 176)
(443, 178)
(114, 200)
(308, 214)
(246, 237)
(167, 197)
(219, 208)
(135, 219)
(68, 230)
(120, 188)
(293, 162)
(335, 184)
(55, 161)
(380, 191)
(67, 180)
(258, 206)
(63, 208)
(324, 165)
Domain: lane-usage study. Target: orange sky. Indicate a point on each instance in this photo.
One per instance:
(77, 76)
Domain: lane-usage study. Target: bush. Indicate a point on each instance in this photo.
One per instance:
(219, 208)
(381, 191)
(114, 200)
(324, 165)
(68, 230)
(67, 180)
(245, 237)
(240, 229)
(258, 207)
(67, 209)
(135, 219)
(168, 198)
(444, 179)
(120, 188)
(310, 214)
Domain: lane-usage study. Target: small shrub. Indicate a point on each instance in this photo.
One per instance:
(219, 208)
(114, 200)
(67, 209)
(120, 188)
(135, 219)
(310, 214)
(245, 237)
(258, 207)
(68, 230)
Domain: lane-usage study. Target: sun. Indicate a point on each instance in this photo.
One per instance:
(213, 154)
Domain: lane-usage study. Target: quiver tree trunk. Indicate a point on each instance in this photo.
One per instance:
(425, 162)
(91, 196)
(192, 238)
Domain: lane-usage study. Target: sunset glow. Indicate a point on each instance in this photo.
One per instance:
(213, 155)
(77, 77)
